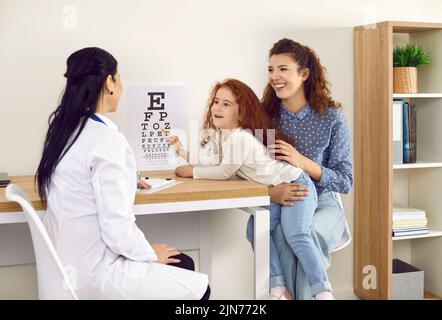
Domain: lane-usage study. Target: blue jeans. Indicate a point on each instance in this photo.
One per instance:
(296, 223)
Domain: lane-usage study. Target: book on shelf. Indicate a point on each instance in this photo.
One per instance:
(404, 132)
(410, 225)
(407, 219)
(397, 131)
(408, 229)
(409, 132)
(413, 142)
(400, 212)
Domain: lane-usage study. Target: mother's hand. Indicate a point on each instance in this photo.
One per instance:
(285, 192)
(287, 153)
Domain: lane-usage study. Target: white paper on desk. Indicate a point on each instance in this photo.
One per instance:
(158, 184)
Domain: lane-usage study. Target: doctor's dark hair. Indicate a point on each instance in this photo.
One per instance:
(316, 87)
(87, 70)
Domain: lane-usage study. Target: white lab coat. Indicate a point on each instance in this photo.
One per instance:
(91, 222)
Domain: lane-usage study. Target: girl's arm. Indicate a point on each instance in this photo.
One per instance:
(178, 146)
(183, 154)
(222, 171)
(235, 151)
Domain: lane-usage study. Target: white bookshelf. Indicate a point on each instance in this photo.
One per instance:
(420, 164)
(430, 234)
(416, 95)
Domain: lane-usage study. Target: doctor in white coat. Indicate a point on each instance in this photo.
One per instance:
(87, 176)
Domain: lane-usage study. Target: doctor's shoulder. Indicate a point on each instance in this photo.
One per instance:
(108, 143)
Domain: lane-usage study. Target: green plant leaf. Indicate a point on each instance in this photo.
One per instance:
(410, 55)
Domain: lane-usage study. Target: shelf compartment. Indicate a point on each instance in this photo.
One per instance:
(431, 234)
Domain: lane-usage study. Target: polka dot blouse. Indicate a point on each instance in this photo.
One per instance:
(324, 139)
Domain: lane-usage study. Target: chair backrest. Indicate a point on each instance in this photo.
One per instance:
(346, 239)
(53, 282)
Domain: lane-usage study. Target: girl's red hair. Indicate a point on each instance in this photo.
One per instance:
(251, 114)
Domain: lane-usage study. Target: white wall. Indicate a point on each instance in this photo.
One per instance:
(175, 42)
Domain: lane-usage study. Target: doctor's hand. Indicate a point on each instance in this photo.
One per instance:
(184, 171)
(285, 192)
(164, 253)
(141, 184)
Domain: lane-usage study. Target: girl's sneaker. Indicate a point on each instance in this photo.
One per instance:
(324, 295)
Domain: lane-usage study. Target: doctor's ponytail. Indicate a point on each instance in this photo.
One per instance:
(87, 70)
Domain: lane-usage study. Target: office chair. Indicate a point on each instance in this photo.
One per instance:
(53, 281)
(347, 235)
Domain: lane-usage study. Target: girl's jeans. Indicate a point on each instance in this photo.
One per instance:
(296, 222)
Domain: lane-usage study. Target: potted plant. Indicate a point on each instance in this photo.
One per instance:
(406, 60)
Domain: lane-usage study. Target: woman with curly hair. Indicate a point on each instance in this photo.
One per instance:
(298, 100)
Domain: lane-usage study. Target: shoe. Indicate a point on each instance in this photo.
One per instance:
(324, 295)
(281, 297)
(286, 295)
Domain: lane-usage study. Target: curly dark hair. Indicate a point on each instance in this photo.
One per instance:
(316, 87)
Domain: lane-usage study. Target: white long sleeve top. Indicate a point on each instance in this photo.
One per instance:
(246, 157)
(90, 203)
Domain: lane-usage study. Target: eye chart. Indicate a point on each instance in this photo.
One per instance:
(150, 109)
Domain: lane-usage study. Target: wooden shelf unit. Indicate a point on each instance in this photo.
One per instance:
(379, 183)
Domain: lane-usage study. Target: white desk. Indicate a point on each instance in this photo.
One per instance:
(203, 196)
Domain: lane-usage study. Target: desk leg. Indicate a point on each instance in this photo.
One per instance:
(205, 245)
(262, 251)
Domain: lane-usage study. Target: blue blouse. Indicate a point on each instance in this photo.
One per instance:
(324, 139)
